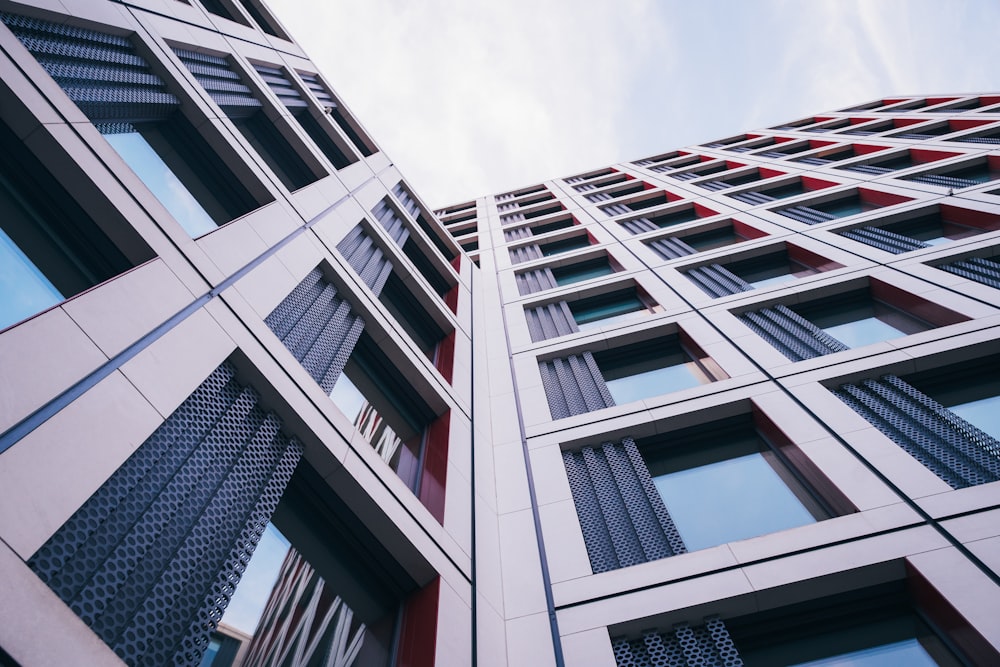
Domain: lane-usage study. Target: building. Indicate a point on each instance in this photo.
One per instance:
(734, 403)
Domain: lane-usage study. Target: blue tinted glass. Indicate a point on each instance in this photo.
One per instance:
(729, 500)
(653, 383)
(984, 414)
(209, 656)
(24, 291)
(162, 182)
(247, 605)
(573, 274)
(348, 397)
(863, 332)
(774, 280)
(907, 653)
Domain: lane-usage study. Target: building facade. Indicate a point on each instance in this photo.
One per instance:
(731, 404)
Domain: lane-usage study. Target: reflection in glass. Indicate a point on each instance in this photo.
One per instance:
(729, 499)
(908, 652)
(24, 290)
(598, 311)
(162, 181)
(639, 371)
(862, 321)
(574, 273)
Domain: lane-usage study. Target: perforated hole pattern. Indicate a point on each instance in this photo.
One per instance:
(706, 645)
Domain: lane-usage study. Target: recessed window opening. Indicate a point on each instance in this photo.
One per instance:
(219, 8)
(654, 367)
(565, 245)
(724, 482)
(612, 308)
(856, 319)
(425, 267)
(50, 249)
(547, 227)
(580, 271)
(969, 390)
(263, 21)
(412, 316)
(373, 394)
(773, 269)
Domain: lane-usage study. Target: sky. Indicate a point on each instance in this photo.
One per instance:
(471, 98)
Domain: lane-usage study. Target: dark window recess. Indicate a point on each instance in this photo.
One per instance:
(571, 179)
(537, 213)
(861, 201)
(647, 202)
(926, 132)
(580, 271)
(604, 182)
(219, 8)
(881, 625)
(707, 643)
(277, 81)
(677, 164)
(375, 396)
(766, 195)
(657, 158)
(947, 419)
(547, 227)
(991, 137)
(785, 152)
(631, 189)
(413, 208)
(470, 246)
(843, 322)
(967, 176)
(698, 173)
(672, 247)
(332, 108)
(948, 223)
(742, 179)
(50, 249)
(565, 245)
(983, 270)
(245, 111)
(262, 19)
(869, 129)
(680, 216)
(756, 272)
(426, 267)
(132, 107)
(562, 318)
(894, 163)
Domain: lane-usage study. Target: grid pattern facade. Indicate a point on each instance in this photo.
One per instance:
(226, 320)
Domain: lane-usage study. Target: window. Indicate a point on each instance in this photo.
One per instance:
(870, 627)
(373, 394)
(654, 367)
(693, 241)
(722, 483)
(335, 110)
(855, 319)
(50, 249)
(565, 245)
(131, 106)
(411, 315)
(246, 112)
(580, 271)
(970, 391)
(775, 268)
(862, 200)
(943, 225)
(964, 175)
(611, 308)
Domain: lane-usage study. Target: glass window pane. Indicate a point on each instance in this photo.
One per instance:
(908, 652)
(247, 604)
(863, 332)
(347, 397)
(24, 291)
(729, 500)
(599, 311)
(579, 272)
(983, 414)
(162, 182)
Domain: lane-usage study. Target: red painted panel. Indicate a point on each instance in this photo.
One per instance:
(451, 298)
(864, 149)
(648, 186)
(881, 198)
(704, 211)
(967, 123)
(769, 173)
(811, 183)
(811, 259)
(989, 100)
(903, 122)
(734, 165)
(435, 472)
(671, 196)
(816, 143)
(928, 599)
(917, 306)
(445, 360)
(418, 634)
(858, 121)
(922, 155)
(706, 158)
(781, 140)
(931, 101)
(970, 218)
(746, 231)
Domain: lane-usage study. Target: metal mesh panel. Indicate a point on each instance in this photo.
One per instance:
(101, 73)
(947, 445)
(517, 234)
(753, 198)
(366, 258)
(638, 225)
(706, 645)
(717, 280)
(622, 516)
(221, 83)
(535, 280)
(391, 222)
(317, 327)
(804, 214)
(151, 560)
(525, 253)
(574, 385)
(791, 334)
(985, 271)
(550, 321)
(616, 209)
(407, 200)
(671, 248)
(279, 84)
(884, 240)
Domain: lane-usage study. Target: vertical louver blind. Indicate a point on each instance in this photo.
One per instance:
(791, 334)
(550, 321)
(101, 73)
(525, 253)
(151, 560)
(947, 445)
(574, 385)
(318, 328)
(535, 280)
(391, 221)
(623, 518)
